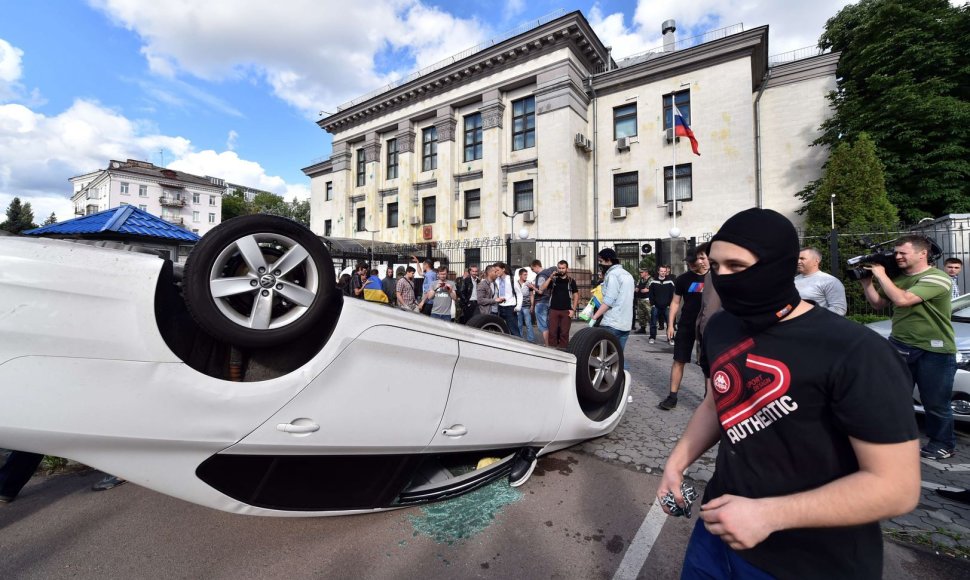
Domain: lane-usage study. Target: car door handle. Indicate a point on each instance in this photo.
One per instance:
(291, 428)
(455, 431)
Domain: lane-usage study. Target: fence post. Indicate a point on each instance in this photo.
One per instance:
(834, 259)
(508, 250)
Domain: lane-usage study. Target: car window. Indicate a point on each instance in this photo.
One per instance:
(961, 309)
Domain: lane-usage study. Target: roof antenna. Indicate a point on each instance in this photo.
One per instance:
(161, 156)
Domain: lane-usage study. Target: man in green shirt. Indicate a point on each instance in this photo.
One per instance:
(922, 333)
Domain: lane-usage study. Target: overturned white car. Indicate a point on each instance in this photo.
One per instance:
(249, 385)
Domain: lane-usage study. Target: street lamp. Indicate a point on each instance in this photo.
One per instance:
(832, 209)
(512, 223)
(371, 232)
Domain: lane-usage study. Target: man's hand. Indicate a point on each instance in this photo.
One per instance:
(670, 332)
(878, 270)
(740, 522)
(671, 482)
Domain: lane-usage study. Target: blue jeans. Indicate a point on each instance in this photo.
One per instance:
(657, 313)
(508, 315)
(933, 373)
(445, 317)
(542, 316)
(708, 557)
(525, 324)
(621, 335)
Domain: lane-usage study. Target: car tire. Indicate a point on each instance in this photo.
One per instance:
(232, 300)
(489, 323)
(599, 364)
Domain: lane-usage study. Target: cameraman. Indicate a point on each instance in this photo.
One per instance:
(922, 333)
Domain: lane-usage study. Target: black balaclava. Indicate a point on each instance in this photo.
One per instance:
(764, 293)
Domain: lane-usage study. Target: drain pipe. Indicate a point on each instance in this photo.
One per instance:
(759, 189)
(596, 204)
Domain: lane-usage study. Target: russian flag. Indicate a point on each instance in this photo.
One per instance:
(682, 129)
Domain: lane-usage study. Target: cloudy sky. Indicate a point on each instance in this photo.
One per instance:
(231, 88)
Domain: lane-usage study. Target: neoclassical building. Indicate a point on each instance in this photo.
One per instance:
(546, 127)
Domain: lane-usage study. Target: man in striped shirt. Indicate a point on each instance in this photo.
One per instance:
(922, 333)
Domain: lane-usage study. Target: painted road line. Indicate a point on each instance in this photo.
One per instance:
(951, 467)
(935, 486)
(636, 554)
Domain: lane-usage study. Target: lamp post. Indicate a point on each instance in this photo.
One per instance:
(371, 232)
(832, 209)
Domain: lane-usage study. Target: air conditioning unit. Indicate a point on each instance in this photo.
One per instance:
(670, 207)
(619, 213)
(529, 217)
(589, 145)
(622, 144)
(462, 224)
(581, 251)
(669, 135)
(580, 140)
(415, 220)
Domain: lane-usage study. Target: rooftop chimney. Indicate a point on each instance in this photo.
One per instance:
(668, 28)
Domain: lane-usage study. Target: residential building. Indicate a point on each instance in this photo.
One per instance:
(248, 192)
(190, 201)
(547, 127)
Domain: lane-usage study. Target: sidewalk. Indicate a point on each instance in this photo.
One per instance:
(647, 435)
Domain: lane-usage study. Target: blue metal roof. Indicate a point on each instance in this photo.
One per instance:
(126, 219)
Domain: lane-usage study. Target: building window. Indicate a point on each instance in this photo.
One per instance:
(329, 192)
(360, 219)
(124, 188)
(429, 149)
(625, 121)
(212, 218)
(428, 206)
(212, 200)
(629, 255)
(195, 198)
(392, 159)
(142, 191)
(523, 123)
(195, 216)
(523, 196)
(124, 203)
(473, 137)
(473, 257)
(328, 227)
(685, 187)
(195, 230)
(392, 216)
(361, 168)
(683, 105)
(625, 190)
(473, 204)
(143, 207)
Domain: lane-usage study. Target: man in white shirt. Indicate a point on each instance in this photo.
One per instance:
(816, 286)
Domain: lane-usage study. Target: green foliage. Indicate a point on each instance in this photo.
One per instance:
(234, 204)
(904, 77)
(854, 176)
(866, 318)
(51, 220)
(20, 217)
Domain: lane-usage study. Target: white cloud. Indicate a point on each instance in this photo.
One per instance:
(792, 24)
(10, 71)
(231, 140)
(315, 54)
(227, 165)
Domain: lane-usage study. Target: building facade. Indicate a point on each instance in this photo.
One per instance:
(546, 132)
(180, 198)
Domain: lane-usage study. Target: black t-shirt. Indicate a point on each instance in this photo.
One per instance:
(689, 287)
(788, 399)
(661, 291)
(560, 292)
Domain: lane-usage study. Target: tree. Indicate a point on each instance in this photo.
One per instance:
(234, 205)
(20, 217)
(904, 77)
(51, 220)
(299, 211)
(854, 175)
(265, 202)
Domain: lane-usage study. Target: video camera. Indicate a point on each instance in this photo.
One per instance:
(884, 254)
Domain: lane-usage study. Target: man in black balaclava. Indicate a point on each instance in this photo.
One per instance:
(807, 463)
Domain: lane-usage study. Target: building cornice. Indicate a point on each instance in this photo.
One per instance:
(319, 168)
(752, 43)
(823, 65)
(571, 30)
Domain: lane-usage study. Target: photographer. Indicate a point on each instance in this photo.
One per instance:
(442, 295)
(921, 332)
(564, 298)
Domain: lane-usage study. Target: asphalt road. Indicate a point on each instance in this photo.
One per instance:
(586, 513)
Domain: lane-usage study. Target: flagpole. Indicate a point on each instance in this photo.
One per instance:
(674, 232)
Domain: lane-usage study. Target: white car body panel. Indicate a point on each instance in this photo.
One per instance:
(85, 374)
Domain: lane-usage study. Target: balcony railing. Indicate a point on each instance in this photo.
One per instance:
(174, 219)
(168, 201)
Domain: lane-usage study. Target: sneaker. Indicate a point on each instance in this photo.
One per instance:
(669, 403)
(108, 482)
(651, 341)
(936, 453)
(522, 467)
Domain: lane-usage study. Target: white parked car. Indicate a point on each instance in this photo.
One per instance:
(960, 401)
(249, 385)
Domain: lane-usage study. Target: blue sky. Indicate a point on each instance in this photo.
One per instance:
(232, 88)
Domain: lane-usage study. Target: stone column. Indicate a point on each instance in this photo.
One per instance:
(448, 143)
(343, 188)
(494, 197)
